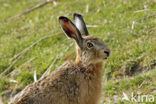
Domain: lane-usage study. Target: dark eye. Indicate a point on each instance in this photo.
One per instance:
(89, 45)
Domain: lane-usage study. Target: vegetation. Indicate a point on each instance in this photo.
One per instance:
(128, 27)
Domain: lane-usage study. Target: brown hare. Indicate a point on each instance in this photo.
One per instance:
(76, 82)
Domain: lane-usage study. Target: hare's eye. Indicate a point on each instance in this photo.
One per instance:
(89, 45)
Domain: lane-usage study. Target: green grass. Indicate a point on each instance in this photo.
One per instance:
(133, 50)
(142, 83)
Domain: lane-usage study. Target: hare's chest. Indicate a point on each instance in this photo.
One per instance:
(90, 89)
(94, 90)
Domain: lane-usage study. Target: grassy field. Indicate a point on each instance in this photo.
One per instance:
(128, 27)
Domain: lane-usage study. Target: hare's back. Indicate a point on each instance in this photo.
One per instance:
(60, 87)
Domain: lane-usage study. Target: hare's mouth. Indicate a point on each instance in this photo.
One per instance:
(105, 58)
(107, 54)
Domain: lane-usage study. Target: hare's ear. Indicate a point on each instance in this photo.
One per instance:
(80, 24)
(70, 30)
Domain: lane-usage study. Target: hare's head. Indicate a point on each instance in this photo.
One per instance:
(89, 48)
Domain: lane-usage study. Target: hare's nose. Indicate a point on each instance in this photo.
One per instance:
(107, 53)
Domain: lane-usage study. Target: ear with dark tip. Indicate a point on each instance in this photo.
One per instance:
(80, 24)
(71, 30)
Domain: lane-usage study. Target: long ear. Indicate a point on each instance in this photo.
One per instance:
(70, 30)
(80, 24)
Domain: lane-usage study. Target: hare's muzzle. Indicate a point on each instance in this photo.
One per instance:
(107, 53)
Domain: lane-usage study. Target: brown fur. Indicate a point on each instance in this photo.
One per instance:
(76, 82)
(71, 84)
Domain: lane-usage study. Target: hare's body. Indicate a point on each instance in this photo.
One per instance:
(70, 84)
(76, 82)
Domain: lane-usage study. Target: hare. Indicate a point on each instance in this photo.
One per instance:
(75, 82)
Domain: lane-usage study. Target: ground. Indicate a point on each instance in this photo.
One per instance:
(128, 27)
